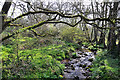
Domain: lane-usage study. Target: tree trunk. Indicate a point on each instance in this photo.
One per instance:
(102, 39)
(118, 46)
(104, 15)
(112, 37)
(4, 12)
(94, 29)
(112, 40)
(95, 35)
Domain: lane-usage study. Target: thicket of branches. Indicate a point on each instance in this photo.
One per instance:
(99, 21)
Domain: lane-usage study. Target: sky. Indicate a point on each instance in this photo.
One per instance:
(18, 12)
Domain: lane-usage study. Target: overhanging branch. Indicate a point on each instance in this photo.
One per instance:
(51, 21)
(37, 25)
(60, 14)
(97, 26)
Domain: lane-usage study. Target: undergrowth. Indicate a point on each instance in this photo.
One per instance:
(36, 63)
(105, 67)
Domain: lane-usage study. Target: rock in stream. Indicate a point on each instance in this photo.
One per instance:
(78, 68)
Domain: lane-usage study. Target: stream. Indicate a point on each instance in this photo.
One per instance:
(78, 68)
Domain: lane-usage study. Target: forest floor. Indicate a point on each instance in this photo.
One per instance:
(70, 61)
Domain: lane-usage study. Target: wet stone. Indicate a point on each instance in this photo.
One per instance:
(71, 65)
(68, 75)
(78, 56)
(79, 67)
(68, 67)
(76, 67)
(86, 58)
(89, 64)
(84, 65)
(89, 56)
(77, 64)
(73, 68)
(79, 52)
(85, 62)
(68, 70)
(79, 74)
(91, 59)
(86, 53)
(73, 61)
(84, 74)
(82, 59)
(86, 68)
(82, 47)
(83, 55)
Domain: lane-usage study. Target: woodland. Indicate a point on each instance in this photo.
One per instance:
(60, 40)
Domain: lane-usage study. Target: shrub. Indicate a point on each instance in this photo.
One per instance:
(72, 34)
(105, 67)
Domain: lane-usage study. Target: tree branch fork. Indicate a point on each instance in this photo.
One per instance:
(82, 18)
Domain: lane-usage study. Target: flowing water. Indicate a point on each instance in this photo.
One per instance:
(78, 68)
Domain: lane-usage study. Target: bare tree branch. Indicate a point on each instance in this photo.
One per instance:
(60, 14)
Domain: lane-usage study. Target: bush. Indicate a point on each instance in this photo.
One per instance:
(72, 34)
(105, 67)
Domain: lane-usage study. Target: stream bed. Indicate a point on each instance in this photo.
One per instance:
(78, 68)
